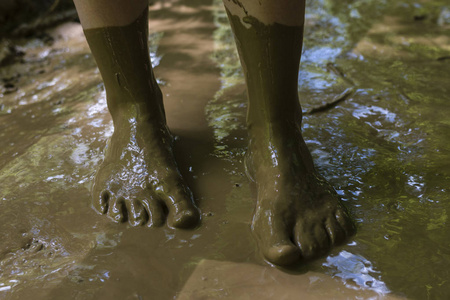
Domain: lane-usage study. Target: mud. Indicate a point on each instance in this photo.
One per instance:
(385, 149)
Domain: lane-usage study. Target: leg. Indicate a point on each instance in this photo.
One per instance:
(298, 214)
(138, 180)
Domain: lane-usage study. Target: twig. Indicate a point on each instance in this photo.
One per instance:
(44, 22)
(53, 6)
(443, 58)
(336, 70)
(339, 98)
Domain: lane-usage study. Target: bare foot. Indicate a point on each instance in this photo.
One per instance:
(139, 180)
(298, 214)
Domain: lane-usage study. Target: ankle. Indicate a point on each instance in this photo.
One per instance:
(274, 127)
(138, 106)
(128, 114)
(266, 111)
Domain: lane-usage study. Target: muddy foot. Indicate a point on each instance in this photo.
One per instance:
(139, 181)
(298, 214)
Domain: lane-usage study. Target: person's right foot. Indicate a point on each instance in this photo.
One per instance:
(139, 181)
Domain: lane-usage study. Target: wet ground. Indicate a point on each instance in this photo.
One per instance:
(384, 147)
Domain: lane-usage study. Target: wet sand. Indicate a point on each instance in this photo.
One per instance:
(54, 128)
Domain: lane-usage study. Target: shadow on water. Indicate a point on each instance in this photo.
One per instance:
(385, 149)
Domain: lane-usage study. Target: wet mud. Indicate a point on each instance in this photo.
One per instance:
(384, 148)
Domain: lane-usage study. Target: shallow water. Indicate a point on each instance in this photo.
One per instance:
(385, 149)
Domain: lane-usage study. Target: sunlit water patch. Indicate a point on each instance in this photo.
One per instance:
(356, 272)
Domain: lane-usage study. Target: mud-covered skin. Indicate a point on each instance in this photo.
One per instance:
(139, 179)
(298, 214)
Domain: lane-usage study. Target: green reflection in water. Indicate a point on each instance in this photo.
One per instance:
(226, 112)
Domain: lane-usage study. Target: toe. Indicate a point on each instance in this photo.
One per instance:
(344, 219)
(155, 212)
(118, 211)
(184, 217)
(312, 239)
(282, 255)
(182, 211)
(274, 240)
(335, 231)
(137, 215)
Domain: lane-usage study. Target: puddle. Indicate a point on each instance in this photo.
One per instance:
(385, 149)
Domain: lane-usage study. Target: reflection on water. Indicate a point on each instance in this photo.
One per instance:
(356, 272)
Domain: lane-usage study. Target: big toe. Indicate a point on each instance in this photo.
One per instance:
(274, 240)
(186, 218)
(282, 255)
(312, 242)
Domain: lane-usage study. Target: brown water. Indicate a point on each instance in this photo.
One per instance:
(385, 149)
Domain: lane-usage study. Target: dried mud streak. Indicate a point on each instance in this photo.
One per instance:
(270, 61)
(238, 3)
(112, 46)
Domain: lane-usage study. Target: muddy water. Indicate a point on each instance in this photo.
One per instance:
(385, 149)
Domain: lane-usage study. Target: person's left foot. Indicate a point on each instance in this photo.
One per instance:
(298, 214)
